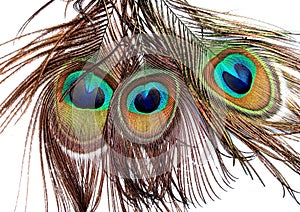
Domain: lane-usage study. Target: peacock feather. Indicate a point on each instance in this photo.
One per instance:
(147, 99)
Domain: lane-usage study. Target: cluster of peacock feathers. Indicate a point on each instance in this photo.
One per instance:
(147, 98)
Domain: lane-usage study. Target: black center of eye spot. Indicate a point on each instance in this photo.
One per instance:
(240, 84)
(84, 99)
(147, 103)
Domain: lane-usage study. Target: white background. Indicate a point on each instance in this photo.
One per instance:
(247, 195)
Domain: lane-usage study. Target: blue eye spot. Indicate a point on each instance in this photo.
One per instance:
(235, 75)
(90, 92)
(82, 98)
(240, 84)
(147, 99)
(147, 102)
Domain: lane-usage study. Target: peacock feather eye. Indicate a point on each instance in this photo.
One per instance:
(145, 104)
(82, 101)
(243, 81)
(90, 93)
